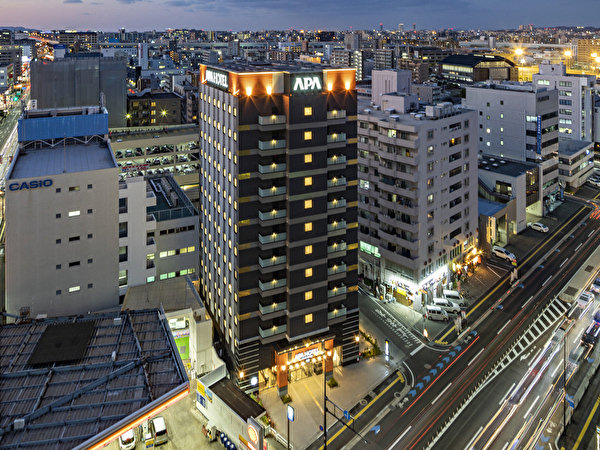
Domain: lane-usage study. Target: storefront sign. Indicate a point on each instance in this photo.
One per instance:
(307, 354)
(307, 82)
(253, 434)
(217, 78)
(34, 184)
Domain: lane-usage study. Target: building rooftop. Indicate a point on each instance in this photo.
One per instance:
(172, 294)
(171, 201)
(236, 399)
(569, 147)
(71, 158)
(489, 208)
(283, 66)
(504, 166)
(60, 403)
(414, 118)
(154, 95)
(473, 60)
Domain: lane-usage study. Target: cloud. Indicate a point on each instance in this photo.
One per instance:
(72, 1)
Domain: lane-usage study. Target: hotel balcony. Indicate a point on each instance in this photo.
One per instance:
(336, 114)
(334, 160)
(338, 268)
(273, 261)
(269, 121)
(271, 168)
(272, 215)
(337, 225)
(274, 284)
(273, 331)
(338, 247)
(341, 203)
(273, 144)
(337, 291)
(335, 138)
(272, 238)
(271, 192)
(337, 182)
(337, 313)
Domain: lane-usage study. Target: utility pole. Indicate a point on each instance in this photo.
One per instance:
(324, 409)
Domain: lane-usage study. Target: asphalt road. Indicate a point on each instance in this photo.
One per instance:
(442, 380)
(8, 125)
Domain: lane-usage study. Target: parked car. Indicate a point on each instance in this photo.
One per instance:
(595, 287)
(158, 428)
(447, 305)
(502, 253)
(435, 313)
(127, 440)
(537, 226)
(456, 297)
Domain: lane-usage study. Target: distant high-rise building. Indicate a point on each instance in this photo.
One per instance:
(12, 54)
(588, 51)
(400, 27)
(77, 41)
(142, 55)
(384, 58)
(153, 108)
(79, 81)
(279, 218)
(122, 35)
(350, 58)
(352, 41)
(6, 37)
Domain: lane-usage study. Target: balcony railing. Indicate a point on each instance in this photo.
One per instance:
(272, 144)
(271, 168)
(339, 290)
(340, 312)
(338, 247)
(271, 120)
(270, 192)
(338, 225)
(337, 182)
(341, 159)
(336, 203)
(272, 308)
(336, 269)
(273, 261)
(269, 239)
(336, 137)
(274, 284)
(275, 214)
(336, 114)
(274, 330)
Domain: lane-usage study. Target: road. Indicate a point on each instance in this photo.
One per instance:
(443, 380)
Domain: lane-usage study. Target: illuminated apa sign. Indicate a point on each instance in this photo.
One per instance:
(217, 78)
(307, 82)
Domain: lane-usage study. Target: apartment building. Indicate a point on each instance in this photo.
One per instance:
(417, 193)
(153, 109)
(278, 217)
(350, 58)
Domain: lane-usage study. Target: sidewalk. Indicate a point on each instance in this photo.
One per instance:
(355, 382)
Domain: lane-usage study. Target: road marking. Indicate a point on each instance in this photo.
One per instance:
(441, 393)
(399, 438)
(591, 232)
(557, 367)
(547, 279)
(576, 339)
(563, 263)
(507, 393)
(505, 445)
(417, 349)
(531, 407)
(475, 357)
(503, 327)
(525, 304)
(546, 242)
(587, 424)
(535, 357)
(577, 248)
(473, 438)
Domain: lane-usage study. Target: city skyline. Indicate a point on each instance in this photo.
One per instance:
(111, 15)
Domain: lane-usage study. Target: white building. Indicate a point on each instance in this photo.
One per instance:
(62, 215)
(575, 99)
(576, 162)
(417, 192)
(388, 81)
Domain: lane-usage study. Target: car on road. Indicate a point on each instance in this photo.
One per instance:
(590, 336)
(435, 313)
(594, 182)
(447, 305)
(502, 253)
(595, 287)
(537, 226)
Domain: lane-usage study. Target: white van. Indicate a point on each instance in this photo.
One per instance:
(433, 312)
(158, 428)
(447, 305)
(455, 297)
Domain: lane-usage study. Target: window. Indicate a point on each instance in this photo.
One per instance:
(430, 199)
(90, 260)
(307, 135)
(308, 227)
(90, 211)
(90, 235)
(308, 249)
(73, 238)
(89, 186)
(58, 266)
(90, 285)
(73, 188)
(308, 295)
(307, 181)
(58, 215)
(308, 318)
(543, 82)
(74, 264)
(308, 110)
(308, 272)
(308, 204)
(74, 213)
(308, 158)
(74, 289)
(58, 241)
(58, 191)
(123, 277)
(58, 292)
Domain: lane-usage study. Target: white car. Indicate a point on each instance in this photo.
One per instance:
(538, 227)
(502, 253)
(127, 440)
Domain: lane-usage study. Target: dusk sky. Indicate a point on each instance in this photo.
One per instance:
(275, 14)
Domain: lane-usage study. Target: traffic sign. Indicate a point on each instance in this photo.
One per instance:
(346, 415)
(290, 413)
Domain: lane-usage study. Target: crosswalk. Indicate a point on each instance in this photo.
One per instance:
(553, 312)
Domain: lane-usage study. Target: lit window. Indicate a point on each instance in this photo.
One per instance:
(307, 135)
(307, 249)
(308, 226)
(308, 318)
(307, 181)
(308, 272)
(74, 289)
(308, 158)
(307, 204)
(308, 110)
(74, 213)
(308, 295)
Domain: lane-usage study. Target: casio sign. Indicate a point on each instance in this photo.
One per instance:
(34, 184)
(307, 83)
(217, 78)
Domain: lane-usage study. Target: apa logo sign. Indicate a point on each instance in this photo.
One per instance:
(307, 82)
(33, 184)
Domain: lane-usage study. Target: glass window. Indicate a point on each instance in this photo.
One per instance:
(308, 158)
(307, 181)
(308, 226)
(308, 295)
(308, 249)
(308, 272)
(308, 204)
(308, 110)
(307, 135)
(308, 318)
(74, 213)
